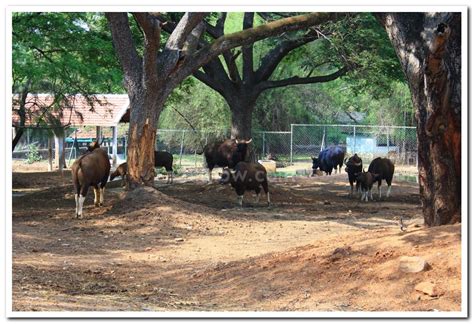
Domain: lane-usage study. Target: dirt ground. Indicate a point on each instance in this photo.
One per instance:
(187, 247)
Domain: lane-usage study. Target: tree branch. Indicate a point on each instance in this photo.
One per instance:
(297, 80)
(126, 50)
(274, 57)
(231, 66)
(248, 36)
(217, 30)
(247, 50)
(152, 34)
(209, 81)
(171, 54)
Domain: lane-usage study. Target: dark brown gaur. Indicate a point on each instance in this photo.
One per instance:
(353, 166)
(247, 177)
(165, 159)
(225, 154)
(385, 169)
(90, 169)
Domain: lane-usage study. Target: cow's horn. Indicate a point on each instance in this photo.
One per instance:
(358, 164)
(248, 142)
(236, 141)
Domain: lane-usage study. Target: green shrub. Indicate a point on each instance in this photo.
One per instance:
(33, 155)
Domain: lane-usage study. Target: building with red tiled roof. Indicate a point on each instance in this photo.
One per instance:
(106, 111)
(77, 111)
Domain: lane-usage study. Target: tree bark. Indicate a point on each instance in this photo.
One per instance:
(241, 108)
(142, 138)
(22, 113)
(18, 134)
(429, 49)
(59, 153)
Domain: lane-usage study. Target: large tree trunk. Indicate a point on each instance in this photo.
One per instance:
(429, 49)
(18, 134)
(146, 110)
(241, 108)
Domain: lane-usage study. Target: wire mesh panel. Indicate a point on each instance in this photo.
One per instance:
(274, 145)
(187, 145)
(395, 142)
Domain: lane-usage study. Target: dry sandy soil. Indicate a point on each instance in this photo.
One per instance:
(187, 247)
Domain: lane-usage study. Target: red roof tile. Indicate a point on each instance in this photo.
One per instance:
(106, 112)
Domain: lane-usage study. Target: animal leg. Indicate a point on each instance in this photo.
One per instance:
(352, 190)
(268, 198)
(81, 203)
(371, 196)
(239, 200)
(101, 194)
(76, 197)
(170, 176)
(257, 199)
(380, 193)
(210, 176)
(96, 197)
(388, 190)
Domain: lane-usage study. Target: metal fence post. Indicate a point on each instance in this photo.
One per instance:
(353, 140)
(291, 145)
(181, 150)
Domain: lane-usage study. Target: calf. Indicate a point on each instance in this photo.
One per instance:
(385, 169)
(165, 159)
(120, 171)
(247, 177)
(353, 167)
(91, 169)
(366, 180)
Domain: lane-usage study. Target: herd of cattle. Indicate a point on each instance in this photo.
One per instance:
(93, 169)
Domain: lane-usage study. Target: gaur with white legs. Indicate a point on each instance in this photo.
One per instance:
(247, 177)
(385, 169)
(91, 169)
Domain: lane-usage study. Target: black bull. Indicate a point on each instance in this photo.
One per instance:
(329, 159)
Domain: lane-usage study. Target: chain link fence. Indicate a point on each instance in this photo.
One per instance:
(397, 143)
(187, 145)
(292, 150)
